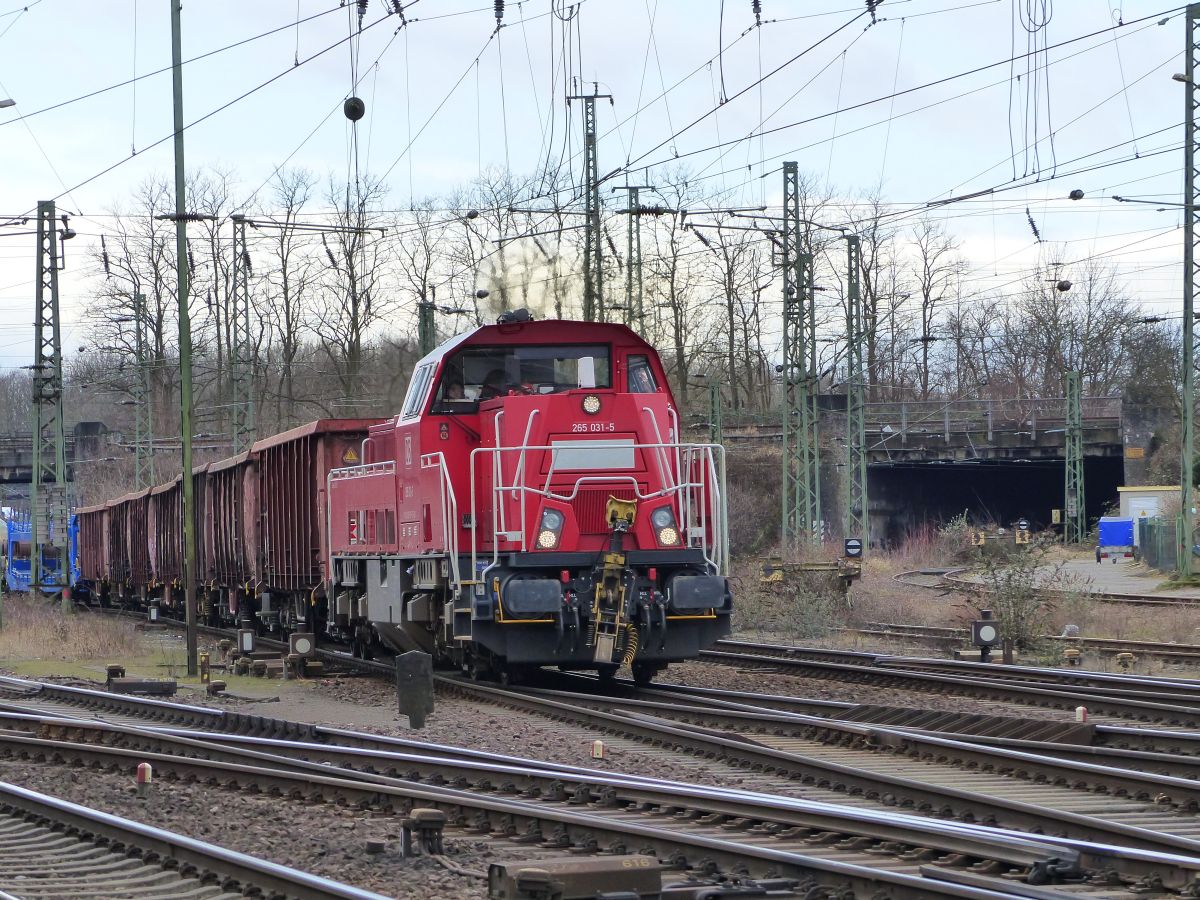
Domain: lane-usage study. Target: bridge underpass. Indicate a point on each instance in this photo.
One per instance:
(997, 461)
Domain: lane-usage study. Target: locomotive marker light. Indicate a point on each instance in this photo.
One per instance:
(665, 529)
(985, 634)
(551, 528)
(591, 404)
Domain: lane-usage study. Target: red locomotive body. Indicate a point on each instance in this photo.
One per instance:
(533, 504)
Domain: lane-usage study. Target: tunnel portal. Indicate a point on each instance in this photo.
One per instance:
(907, 495)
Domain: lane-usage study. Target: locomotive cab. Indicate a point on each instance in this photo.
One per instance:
(532, 505)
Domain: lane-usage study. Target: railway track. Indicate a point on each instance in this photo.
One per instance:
(951, 579)
(576, 809)
(942, 636)
(1162, 701)
(1079, 792)
(563, 809)
(50, 847)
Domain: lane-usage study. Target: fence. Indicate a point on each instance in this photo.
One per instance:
(1156, 540)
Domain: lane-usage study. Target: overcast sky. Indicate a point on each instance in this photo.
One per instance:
(446, 96)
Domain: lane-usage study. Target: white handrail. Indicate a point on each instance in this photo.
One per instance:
(449, 509)
(699, 500)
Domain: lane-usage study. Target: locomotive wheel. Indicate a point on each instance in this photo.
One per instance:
(643, 673)
(510, 676)
(360, 647)
(479, 669)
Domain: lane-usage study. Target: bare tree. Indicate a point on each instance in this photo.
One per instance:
(352, 302)
(289, 282)
(936, 272)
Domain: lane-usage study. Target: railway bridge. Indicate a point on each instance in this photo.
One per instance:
(87, 440)
(998, 460)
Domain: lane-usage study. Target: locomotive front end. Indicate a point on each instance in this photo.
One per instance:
(533, 504)
(609, 532)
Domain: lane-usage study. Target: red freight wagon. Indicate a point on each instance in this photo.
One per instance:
(163, 529)
(93, 542)
(289, 503)
(229, 537)
(533, 503)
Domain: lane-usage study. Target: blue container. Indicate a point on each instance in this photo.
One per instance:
(1116, 533)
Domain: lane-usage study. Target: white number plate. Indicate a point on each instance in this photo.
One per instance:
(593, 427)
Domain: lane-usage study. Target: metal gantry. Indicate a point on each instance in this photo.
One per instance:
(801, 454)
(143, 452)
(593, 238)
(1184, 525)
(1075, 520)
(857, 512)
(242, 407)
(48, 487)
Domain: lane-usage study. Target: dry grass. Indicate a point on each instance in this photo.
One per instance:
(38, 629)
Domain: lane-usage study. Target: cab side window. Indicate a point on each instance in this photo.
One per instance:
(641, 376)
(418, 390)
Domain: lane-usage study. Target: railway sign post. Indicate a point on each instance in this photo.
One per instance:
(414, 686)
(985, 634)
(853, 548)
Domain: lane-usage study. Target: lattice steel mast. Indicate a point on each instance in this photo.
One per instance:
(1191, 201)
(243, 360)
(1075, 521)
(48, 488)
(635, 310)
(801, 456)
(143, 454)
(857, 512)
(593, 238)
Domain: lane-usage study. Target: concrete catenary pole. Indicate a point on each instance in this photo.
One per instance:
(185, 345)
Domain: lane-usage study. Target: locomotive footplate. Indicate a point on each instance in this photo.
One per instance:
(593, 618)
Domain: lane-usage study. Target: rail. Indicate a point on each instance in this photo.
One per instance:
(189, 853)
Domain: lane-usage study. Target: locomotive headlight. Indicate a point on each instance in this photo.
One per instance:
(591, 404)
(665, 529)
(548, 532)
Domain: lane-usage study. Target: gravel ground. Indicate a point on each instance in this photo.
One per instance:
(331, 841)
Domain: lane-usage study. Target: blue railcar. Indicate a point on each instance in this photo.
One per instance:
(18, 572)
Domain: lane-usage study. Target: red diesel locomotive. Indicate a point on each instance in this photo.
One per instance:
(533, 504)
